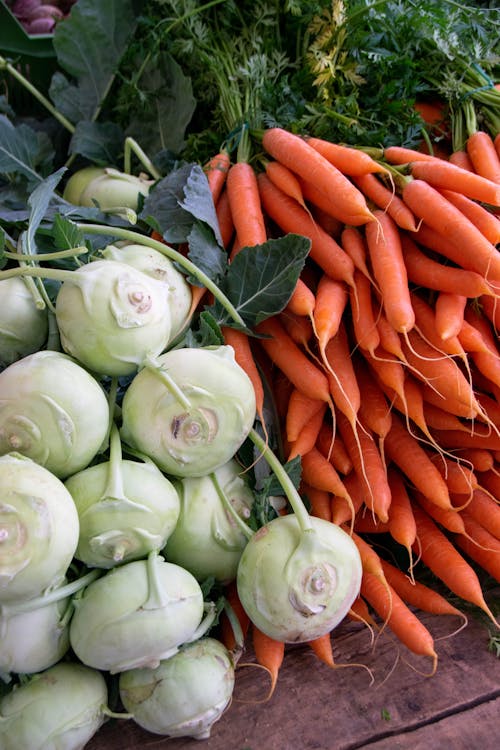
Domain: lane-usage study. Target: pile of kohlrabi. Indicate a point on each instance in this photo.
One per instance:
(133, 469)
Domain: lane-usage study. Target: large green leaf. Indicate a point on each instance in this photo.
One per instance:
(100, 142)
(23, 151)
(89, 45)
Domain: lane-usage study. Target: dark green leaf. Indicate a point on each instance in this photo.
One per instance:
(198, 200)
(261, 279)
(161, 121)
(23, 151)
(207, 332)
(206, 253)
(66, 234)
(38, 202)
(89, 45)
(100, 142)
(294, 470)
(163, 206)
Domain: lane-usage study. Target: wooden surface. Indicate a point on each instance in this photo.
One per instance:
(317, 708)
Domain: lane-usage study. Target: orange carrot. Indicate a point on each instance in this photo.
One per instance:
(227, 633)
(331, 301)
(306, 440)
(387, 261)
(406, 453)
(485, 220)
(480, 546)
(326, 221)
(374, 411)
(285, 180)
(301, 408)
(332, 447)
(445, 218)
(319, 472)
(291, 217)
(443, 174)
(387, 200)
(320, 501)
(225, 219)
(461, 159)
(322, 648)
(365, 329)
(481, 459)
(341, 375)
(417, 594)
(349, 160)
(354, 245)
(400, 619)
(298, 327)
(302, 301)
(449, 308)
(486, 511)
(269, 654)
(483, 155)
(402, 526)
(246, 209)
(216, 170)
(344, 510)
(451, 520)
(403, 155)
(441, 557)
(244, 357)
(296, 154)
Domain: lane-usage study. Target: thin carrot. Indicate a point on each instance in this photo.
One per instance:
(354, 244)
(389, 338)
(364, 322)
(326, 221)
(405, 452)
(481, 437)
(485, 220)
(459, 477)
(246, 209)
(481, 459)
(301, 407)
(285, 180)
(450, 520)
(359, 612)
(320, 501)
(403, 155)
(345, 510)
(374, 412)
(269, 654)
(387, 200)
(440, 556)
(332, 447)
(461, 159)
(319, 472)
(483, 155)
(437, 418)
(216, 170)
(443, 174)
(227, 632)
(342, 379)
(405, 625)
(244, 357)
(295, 153)
(480, 546)
(322, 648)
(349, 160)
(417, 594)
(486, 511)
(435, 240)
(331, 301)
(449, 308)
(388, 370)
(366, 523)
(297, 366)
(473, 249)
(298, 327)
(402, 525)
(291, 217)
(225, 219)
(386, 255)
(306, 440)
(302, 301)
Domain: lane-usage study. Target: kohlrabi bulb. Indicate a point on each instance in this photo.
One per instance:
(23, 326)
(38, 529)
(136, 615)
(114, 189)
(161, 268)
(53, 411)
(58, 709)
(207, 539)
(79, 181)
(297, 585)
(126, 511)
(184, 695)
(192, 413)
(112, 316)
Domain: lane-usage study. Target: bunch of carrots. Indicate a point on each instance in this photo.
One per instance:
(384, 364)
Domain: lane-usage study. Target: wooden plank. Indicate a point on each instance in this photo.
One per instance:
(317, 708)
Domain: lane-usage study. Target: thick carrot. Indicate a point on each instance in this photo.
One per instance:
(322, 648)
(440, 556)
(386, 255)
(354, 244)
(485, 220)
(402, 525)
(319, 472)
(449, 308)
(225, 219)
(461, 159)
(477, 253)
(403, 155)
(351, 161)
(483, 155)
(244, 357)
(269, 654)
(345, 510)
(301, 408)
(306, 440)
(431, 274)
(291, 217)
(480, 546)
(331, 446)
(285, 180)
(296, 154)
(363, 315)
(302, 301)
(298, 327)
(246, 209)
(331, 301)
(404, 450)
(417, 594)
(387, 200)
(320, 500)
(486, 511)
(216, 170)
(286, 355)
(443, 174)
(405, 625)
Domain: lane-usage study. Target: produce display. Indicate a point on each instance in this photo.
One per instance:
(249, 360)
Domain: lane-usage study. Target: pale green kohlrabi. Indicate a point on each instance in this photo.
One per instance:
(137, 614)
(298, 575)
(189, 410)
(209, 537)
(110, 189)
(161, 268)
(34, 633)
(111, 316)
(184, 695)
(53, 411)
(38, 529)
(23, 326)
(58, 709)
(126, 508)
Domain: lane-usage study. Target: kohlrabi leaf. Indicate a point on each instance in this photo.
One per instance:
(166, 108)
(66, 234)
(261, 279)
(198, 200)
(24, 151)
(162, 207)
(206, 253)
(100, 142)
(206, 333)
(89, 45)
(38, 203)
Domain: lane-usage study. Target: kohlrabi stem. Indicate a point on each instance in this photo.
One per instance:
(298, 507)
(190, 267)
(62, 592)
(131, 146)
(113, 489)
(57, 274)
(151, 364)
(243, 527)
(53, 337)
(37, 94)
(59, 255)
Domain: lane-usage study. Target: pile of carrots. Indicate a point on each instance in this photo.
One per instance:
(385, 364)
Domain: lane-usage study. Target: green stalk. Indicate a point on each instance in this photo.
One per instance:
(131, 146)
(55, 595)
(5, 65)
(153, 366)
(140, 239)
(243, 527)
(59, 255)
(298, 507)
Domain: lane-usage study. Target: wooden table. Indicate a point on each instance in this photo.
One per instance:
(317, 708)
